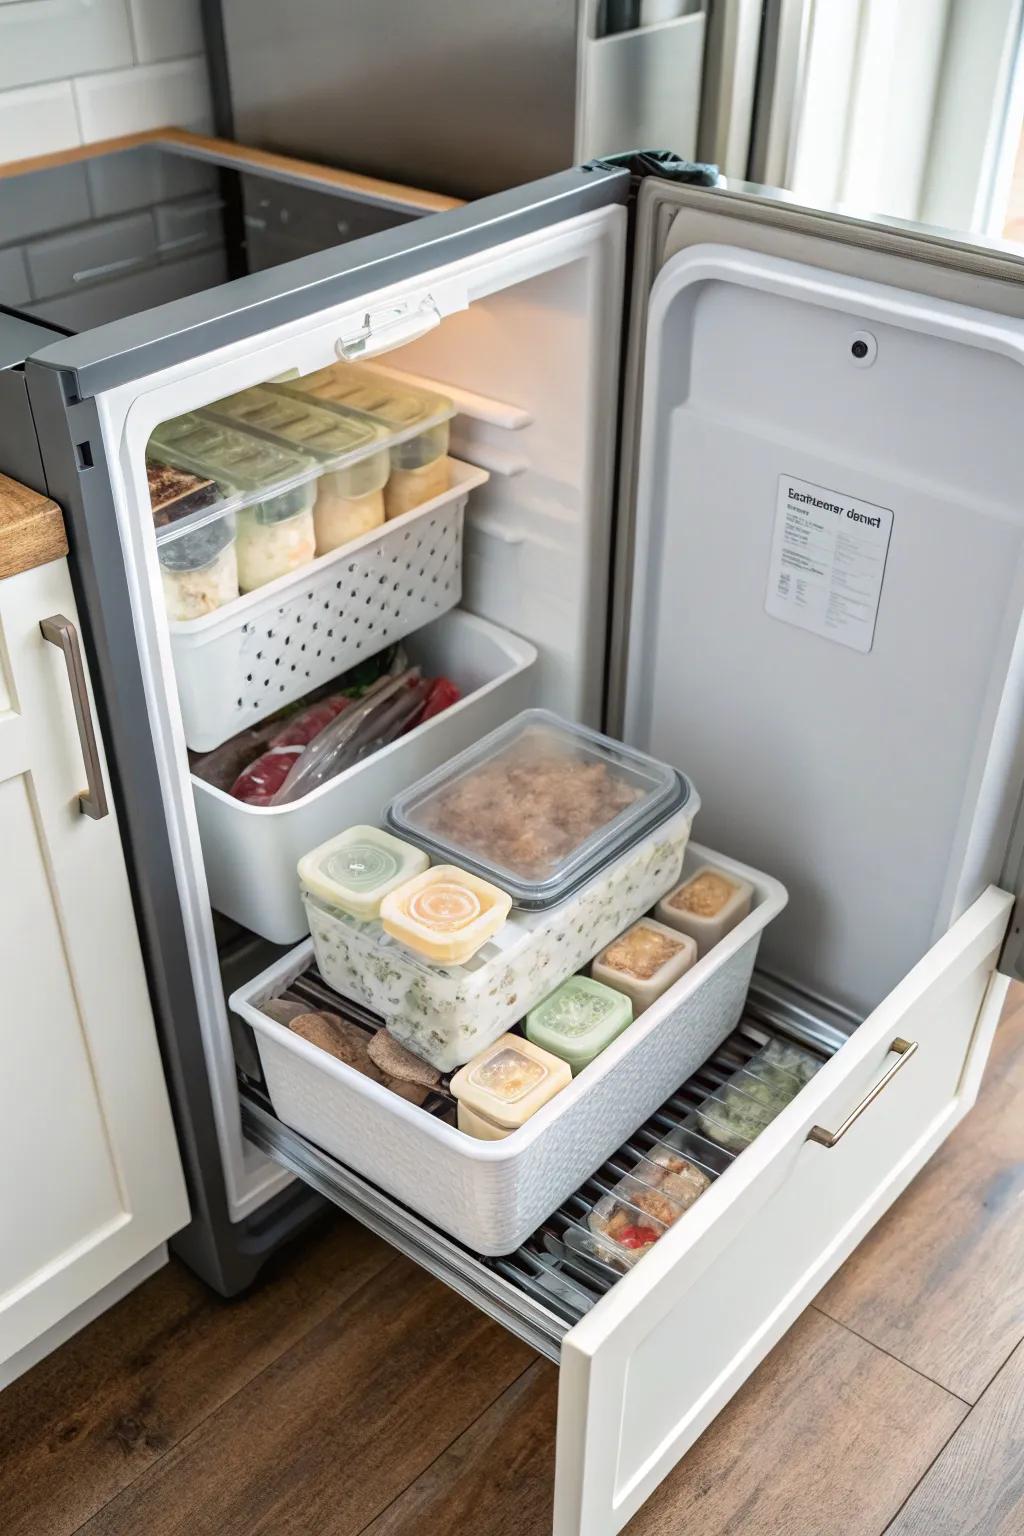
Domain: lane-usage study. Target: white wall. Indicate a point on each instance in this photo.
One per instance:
(73, 71)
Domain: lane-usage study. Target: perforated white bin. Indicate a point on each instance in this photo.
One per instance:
(239, 664)
(491, 1195)
(251, 851)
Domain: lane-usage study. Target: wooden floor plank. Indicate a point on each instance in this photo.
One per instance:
(976, 1487)
(90, 1418)
(828, 1436)
(938, 1282)
(327, 1436)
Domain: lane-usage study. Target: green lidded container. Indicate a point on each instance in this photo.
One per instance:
(579, 1020)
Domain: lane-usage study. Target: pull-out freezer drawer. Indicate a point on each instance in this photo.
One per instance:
(645, 1370)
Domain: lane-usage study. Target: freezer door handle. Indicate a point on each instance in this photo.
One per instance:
(392, 326)
(904, 1049)
(60, 632)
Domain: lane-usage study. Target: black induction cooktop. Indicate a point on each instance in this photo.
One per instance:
(114, 234)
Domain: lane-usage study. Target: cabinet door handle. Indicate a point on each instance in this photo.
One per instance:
(61, 632)
(904, 1050)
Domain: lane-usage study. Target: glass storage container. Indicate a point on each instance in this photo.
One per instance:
(539, 806)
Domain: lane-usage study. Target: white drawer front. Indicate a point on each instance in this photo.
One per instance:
(646, 1371)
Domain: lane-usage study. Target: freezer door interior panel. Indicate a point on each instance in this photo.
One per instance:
(517, 298)
(822, 589)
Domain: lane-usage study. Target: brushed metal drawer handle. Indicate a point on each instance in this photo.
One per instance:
(60, 632)
(904, 1050)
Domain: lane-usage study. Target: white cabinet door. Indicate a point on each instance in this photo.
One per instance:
(92, 1180)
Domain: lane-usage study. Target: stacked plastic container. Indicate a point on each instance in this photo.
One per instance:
(584, 836)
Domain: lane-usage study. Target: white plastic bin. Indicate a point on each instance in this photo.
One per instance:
(491, 1195)
(239, 664)
(251, 851)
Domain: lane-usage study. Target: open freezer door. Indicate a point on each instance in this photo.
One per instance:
(97, 399)
(820, 598)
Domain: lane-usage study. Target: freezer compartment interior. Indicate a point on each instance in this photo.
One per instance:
(491, 1194)
(527, 366)
(553, 1278)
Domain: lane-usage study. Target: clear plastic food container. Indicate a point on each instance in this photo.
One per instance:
(706, 906)
(446, 1014)
(500, 1089)
(355, 870)
(644, 961)
(540, 806)
(198, 566)
(748, 1101)
(416, 418)
(274, 486)
(578, 1019)
(351, 451)
(643, 1205)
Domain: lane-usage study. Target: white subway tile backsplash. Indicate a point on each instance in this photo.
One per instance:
(165, 29)
(38, 120)
(149, 96)
(49, 39)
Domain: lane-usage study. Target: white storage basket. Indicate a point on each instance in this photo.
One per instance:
(251, 851)
(491, 1195)
(239, 664)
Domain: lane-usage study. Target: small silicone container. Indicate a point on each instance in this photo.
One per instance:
(578, 1020)
(706, 906)
(644, 961)
(445, 914)
(500, 1089)
(354, 871)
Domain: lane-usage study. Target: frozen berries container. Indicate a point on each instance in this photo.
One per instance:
(491, 1195)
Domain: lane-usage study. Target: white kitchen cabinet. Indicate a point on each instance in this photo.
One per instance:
(92, 1180)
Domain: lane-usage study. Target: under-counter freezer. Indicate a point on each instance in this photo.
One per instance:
(776, 542)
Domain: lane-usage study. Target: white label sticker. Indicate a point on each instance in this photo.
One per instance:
(827, 562)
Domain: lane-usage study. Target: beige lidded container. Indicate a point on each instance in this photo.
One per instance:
(417, 418)
(644, 961)
(508, 1082)
(706, 906)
